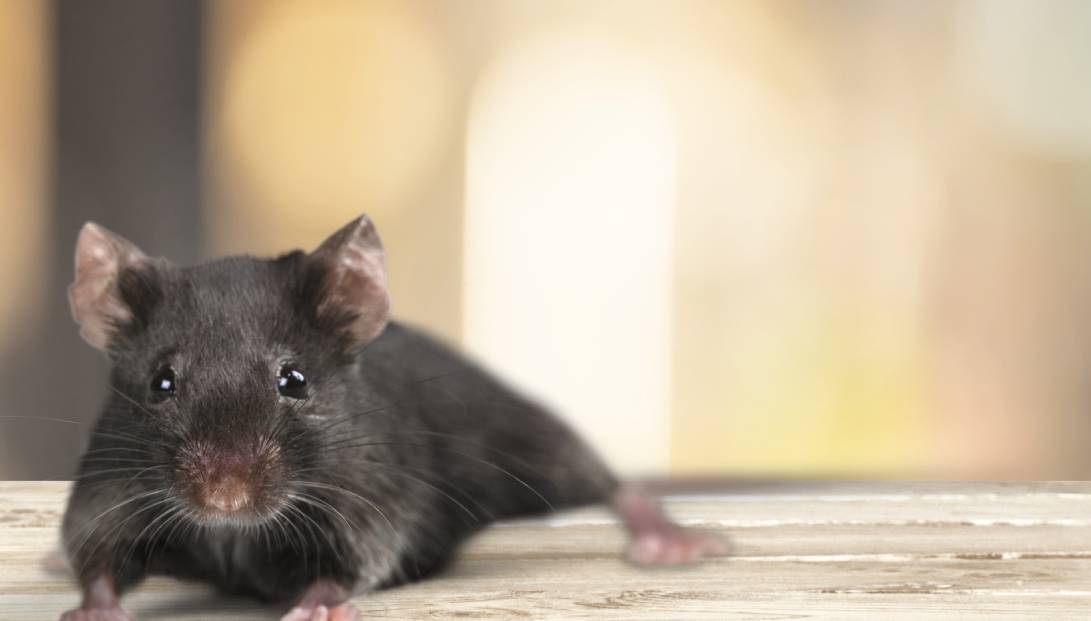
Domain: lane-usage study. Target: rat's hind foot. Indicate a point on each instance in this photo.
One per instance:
(321, 612)
(324, 600)
(97, 614)
(655, 539)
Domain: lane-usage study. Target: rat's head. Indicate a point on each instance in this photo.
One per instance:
(228, 368)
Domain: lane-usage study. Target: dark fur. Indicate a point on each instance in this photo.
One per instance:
(426, 438)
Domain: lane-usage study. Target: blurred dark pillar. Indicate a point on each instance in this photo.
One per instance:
(126, 148)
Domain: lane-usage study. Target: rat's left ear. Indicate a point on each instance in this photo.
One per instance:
(354, 285)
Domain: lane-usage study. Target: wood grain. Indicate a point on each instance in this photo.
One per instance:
(802, 551)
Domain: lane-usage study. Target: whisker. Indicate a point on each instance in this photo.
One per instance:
(119, 525)
(51, 419)
(484, 462)
(168, 538)
(114, 460)
(130, 400)
(438, 434)
(114, 449)
(129, 438)
(317, 504)
(366, 501)
(392, 548)
(406, 386)
(96, 519)
(164, 516)
(87, 476)
(54, 419)
(397, 470)
(302, 540)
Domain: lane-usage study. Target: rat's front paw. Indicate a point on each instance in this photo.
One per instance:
(674, 546)
(340, 612)
(97, 614)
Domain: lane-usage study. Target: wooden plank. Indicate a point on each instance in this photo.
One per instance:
(815, 550)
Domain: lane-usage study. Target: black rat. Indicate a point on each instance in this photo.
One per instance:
(271, 431)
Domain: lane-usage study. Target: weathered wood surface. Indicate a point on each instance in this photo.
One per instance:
(802, 551)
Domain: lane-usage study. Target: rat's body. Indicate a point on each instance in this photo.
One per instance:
(270, 432)
(452, 450)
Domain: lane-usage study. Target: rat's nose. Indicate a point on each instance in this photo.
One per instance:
(228, 493)
(241, 480)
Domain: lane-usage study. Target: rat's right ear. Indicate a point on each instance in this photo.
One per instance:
(354, 290)
(95, 295)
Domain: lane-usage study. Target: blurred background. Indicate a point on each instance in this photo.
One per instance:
(747, 238)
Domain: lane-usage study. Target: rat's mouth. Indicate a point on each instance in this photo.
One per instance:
(233, 499)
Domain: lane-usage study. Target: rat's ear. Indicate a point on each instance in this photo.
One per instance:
(354, 285)
(95, 294)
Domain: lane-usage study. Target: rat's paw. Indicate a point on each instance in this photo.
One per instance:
(340, 612)
(97, 614)
(674, 546)
(655, 540)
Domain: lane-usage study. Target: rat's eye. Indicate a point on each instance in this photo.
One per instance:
(163, 384)
(291, 382)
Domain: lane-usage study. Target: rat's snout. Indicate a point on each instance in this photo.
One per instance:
(227, 493)
(238, 480)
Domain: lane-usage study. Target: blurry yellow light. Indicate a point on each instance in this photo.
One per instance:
(569, 236)
(24, 115)
(328, 109)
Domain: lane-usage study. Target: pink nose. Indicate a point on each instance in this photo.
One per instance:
(227, 494)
